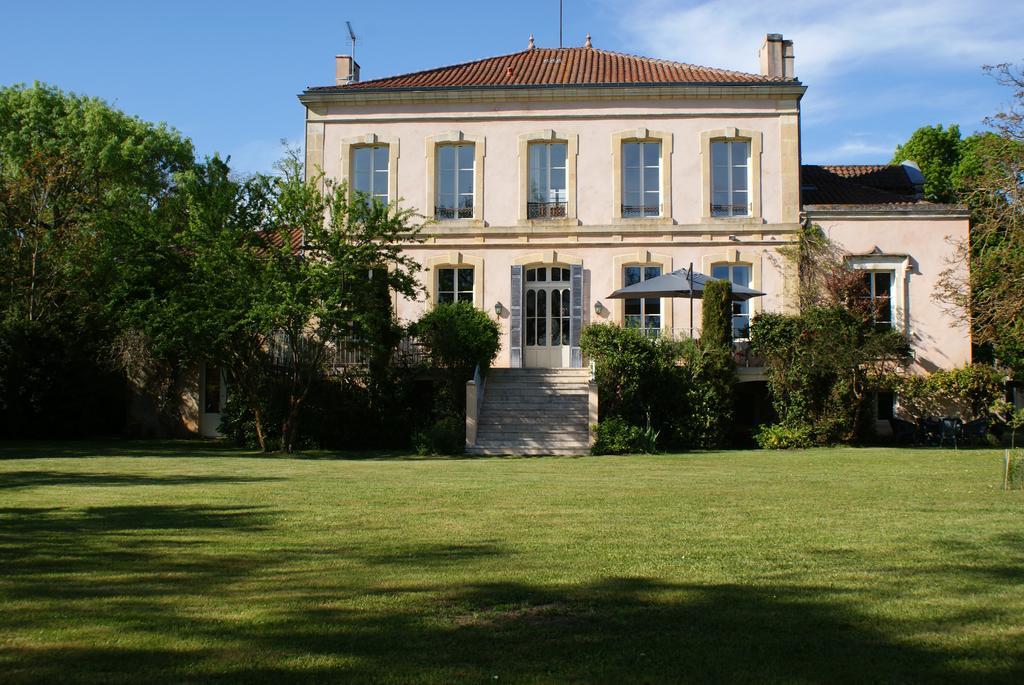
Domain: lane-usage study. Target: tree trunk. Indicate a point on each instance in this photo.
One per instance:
(258, 421)
(289, 426)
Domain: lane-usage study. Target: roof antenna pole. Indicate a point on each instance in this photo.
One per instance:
(559, 23)
(352, 36)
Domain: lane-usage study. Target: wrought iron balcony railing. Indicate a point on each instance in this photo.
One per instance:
(546, 210)
(632, 211)
(730, 210)
(453, 212)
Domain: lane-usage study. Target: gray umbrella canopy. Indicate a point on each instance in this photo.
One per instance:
(677, 284)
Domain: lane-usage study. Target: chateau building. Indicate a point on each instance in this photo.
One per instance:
(555, 176)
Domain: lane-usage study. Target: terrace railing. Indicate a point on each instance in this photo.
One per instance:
(742, 354)
(633, 211)
(453, 212)
(546, 210)
(350, 353)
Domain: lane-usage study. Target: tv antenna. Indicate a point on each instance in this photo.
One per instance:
(352, 36)
(560, 23)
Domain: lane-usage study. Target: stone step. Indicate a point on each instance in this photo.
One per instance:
(577, 420)
(544, 406)
(504, 370)
(532, 448)
(539, 399)
(526, 451)
(531, 440)
(534, 439)
(558, 385)
(534, 412)
(540, 378)
(534, 393)
(531, 429)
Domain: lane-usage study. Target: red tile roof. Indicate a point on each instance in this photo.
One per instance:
(882, 184)
(890, 177)
(559, 67)
(274, 239)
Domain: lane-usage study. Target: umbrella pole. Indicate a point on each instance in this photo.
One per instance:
(689, 281)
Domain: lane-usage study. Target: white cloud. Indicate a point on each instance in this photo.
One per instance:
(854, 150)
(259, 156)
(831, 37)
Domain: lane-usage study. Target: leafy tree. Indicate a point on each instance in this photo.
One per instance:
(271, 272)
(76, 178)
(938, 152)
(985, 282)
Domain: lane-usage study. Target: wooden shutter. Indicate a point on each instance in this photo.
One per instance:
(576, 322)
(515, 321)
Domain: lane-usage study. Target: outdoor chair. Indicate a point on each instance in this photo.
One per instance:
(903, 432)
(974, 432)
(951, 431)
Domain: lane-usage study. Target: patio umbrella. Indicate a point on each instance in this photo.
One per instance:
(680, 283)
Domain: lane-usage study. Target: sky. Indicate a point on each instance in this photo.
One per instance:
(226, 73)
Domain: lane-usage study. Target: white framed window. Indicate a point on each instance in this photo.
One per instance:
(877, 296)
(642, 312)
(455, 284)
(455, 181)
(641, 179)
(370, 171)
(737, 274)
(730, 178)
(548, 190)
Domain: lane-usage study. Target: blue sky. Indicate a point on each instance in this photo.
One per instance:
(226, 73)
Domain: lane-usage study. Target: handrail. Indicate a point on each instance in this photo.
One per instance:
(474, 400)
(481, 386)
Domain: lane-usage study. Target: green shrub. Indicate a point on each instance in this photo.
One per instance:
(356, 410)
(779, 436)
(716, 315)
(615, 436)
(682, 390)
(1014, 476)
(458, 338)
(969, 392)
(820, 365)
(447, 435)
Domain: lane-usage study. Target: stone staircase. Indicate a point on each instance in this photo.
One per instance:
(534, 412)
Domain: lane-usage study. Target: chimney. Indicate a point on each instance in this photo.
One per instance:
(346, 70)
(776, 56)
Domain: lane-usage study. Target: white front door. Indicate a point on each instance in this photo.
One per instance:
(546, 316)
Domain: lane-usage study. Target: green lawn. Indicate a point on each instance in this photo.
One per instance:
(136, 562)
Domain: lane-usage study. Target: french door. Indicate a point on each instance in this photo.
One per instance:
(546, 317)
